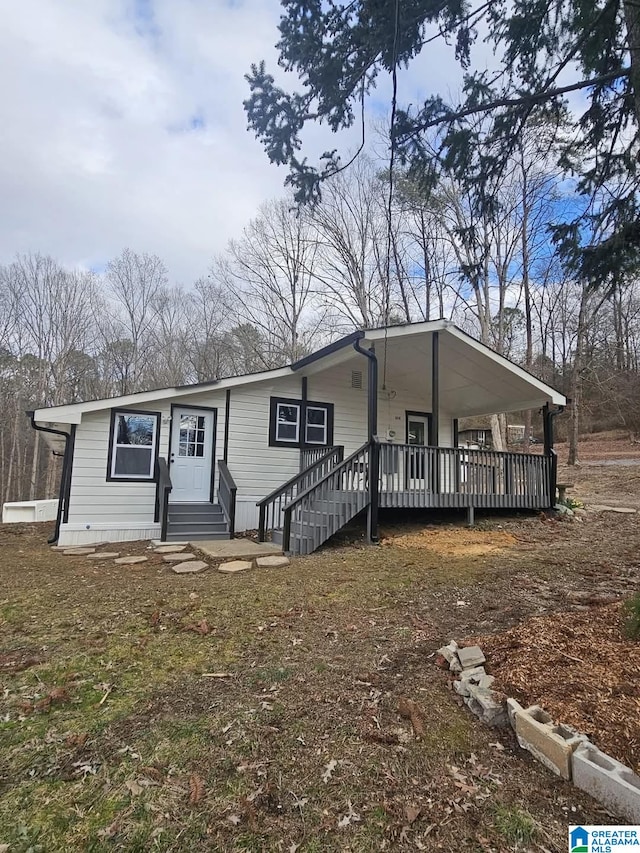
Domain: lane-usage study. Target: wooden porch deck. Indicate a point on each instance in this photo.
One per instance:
(442, 477)
(315, 504)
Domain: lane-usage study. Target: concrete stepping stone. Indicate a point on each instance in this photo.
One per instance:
(104, 555)
(625, 510)
(130, 561)
(78, 552)
(169, 549)
(178, 558)
(234, 566)
(191, 566)
(273, 562)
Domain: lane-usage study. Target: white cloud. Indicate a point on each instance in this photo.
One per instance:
(123, 126)
(97, 149)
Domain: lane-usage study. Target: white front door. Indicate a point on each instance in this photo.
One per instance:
(192, 450)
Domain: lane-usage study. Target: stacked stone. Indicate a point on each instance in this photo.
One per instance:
(474, 684)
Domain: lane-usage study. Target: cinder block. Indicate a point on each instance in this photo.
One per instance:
(461, 688)
(513, 708)
(449, 652)
(471, 656)
(490, 711)
(553, 745)
(474, 674)
(611, 783)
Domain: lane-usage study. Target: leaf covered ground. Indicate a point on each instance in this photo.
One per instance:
(286, 709)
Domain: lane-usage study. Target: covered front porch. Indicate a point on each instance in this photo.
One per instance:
(420, 380)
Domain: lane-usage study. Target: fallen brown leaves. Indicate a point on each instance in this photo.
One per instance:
(410, 710)
(579, 667)
(196, 789)
(202, 628)
(55, 695)
(17, 661)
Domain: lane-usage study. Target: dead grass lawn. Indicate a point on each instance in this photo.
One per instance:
(113, 736)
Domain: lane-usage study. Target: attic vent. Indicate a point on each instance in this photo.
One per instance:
(356, 379)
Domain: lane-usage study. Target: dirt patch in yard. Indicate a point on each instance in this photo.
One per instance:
(449, 541)
(579, 667)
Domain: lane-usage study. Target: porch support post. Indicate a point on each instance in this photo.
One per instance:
(435, 406)
(227, 411)
(547, 430)
(374, 447)
(374, 451)
(303, 418)
(471, 516)
(435, 388)
(547, 419)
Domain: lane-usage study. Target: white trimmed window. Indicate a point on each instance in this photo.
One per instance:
(288, 422)
(288, 427)
(316, 425)
(133, 443)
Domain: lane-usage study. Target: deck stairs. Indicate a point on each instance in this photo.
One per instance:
(313, 525)
(196, 521)
(321, 500)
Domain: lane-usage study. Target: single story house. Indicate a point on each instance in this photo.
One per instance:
(369, 421)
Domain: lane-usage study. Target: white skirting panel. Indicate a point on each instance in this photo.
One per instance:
(246, 514)
(77, 534)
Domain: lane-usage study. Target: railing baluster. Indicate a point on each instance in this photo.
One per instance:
(318, 462)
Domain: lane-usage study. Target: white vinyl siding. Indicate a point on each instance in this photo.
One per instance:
(94, 501)
(107, 510)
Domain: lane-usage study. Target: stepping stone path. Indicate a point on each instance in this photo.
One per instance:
(189, 567)
(103, 555)
(130, 561)
(273, 562)
(234, 567)
(169, 549)
(626, 510)
(78, 552)
(178, 558)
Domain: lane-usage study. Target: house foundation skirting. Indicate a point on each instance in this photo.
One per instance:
(77, 534)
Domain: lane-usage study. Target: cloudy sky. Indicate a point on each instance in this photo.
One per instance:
(123, 126)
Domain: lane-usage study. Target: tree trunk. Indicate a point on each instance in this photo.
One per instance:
(33, 483)
(632, 20)
(576, 383)
(497, 432)
(527, 431)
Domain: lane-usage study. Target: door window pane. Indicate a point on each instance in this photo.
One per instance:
(192, 435)
(416, 432)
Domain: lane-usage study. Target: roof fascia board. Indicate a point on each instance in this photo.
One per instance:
(330, 349)
(555, 396)
(56, 418)
(407, 330)
(504, 409)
